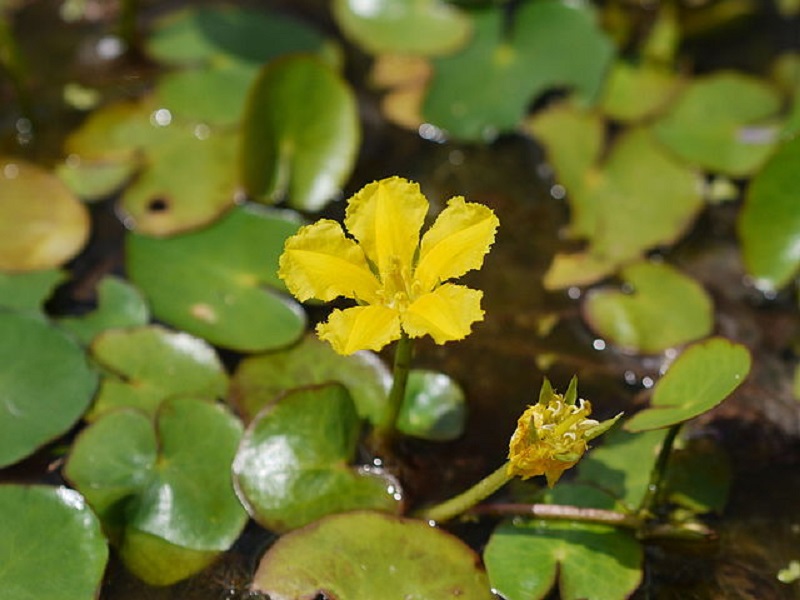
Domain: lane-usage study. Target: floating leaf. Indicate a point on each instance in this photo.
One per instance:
(665, 309)
(147, 365)
(700, 378)
(260, 380)
(486, 88)
(51, 544)
(769, 223)
(724, 123)
(28, 291)
(210, 282)
(164, 492)
(45, 385)
(429, 28)
(363, 556)
(636, 92)
(119, 305)
(301, 133)
(94, 181)
(42, 225)
(293, 465)
(525, 558)
(434, 407)
(698, 475)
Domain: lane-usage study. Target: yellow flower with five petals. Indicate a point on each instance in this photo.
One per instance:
(399, 281)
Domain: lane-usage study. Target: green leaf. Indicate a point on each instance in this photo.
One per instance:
(147, 365)
(550, 44)
(428, 28)
(95, 180)
(28, 291)
(119, 304)
(725, 123)
(665, 309)
(434, 407)
(42, 225)
(635, 92)
(260, 380)
(211, 282)
(163, 489)
(698, 475)
(363, 556)
(293, 465)
(525, 558)
(51, 544)
(769, 222)
(301, 133)
(700, 378)
(45, 385)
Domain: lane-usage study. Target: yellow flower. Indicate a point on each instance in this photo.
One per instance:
(397, 279)
(552, 435)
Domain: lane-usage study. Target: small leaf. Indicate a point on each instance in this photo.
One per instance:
(634, 93)
(28, 291)
(293, 465)
(699, 475)
(211, 282)
(45, 385)
(769, 223)
(42, 225)
(301, 133)
(665, 309)
(700, 378)
(364, 556)
(51, 544)
(147, 365)
(434, 407)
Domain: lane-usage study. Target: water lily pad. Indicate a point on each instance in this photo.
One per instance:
(119, 304)
(211, 282)
(95, 180)
(665, 309)
(700, 378)
(486, 88)
(364, 555)
(146, 365)
(635, 92)
(429, 28)
(434, 407)
(293, 465)
(162, 489)
(42, 224)
(28, 291)
(769, 223)
(725, 123)
(260, 380)
(526, 558)
(49, 530)
(301, 133)
(45, 385)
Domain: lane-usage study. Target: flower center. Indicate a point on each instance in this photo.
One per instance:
(399, 289)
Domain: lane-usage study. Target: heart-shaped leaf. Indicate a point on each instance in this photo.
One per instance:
(429, 28)
(260, 380)
(45, 385)
(51, 544)
(162, 489)
(525, 558)
(725, 123)
(700, 378)
(434, 407)
(28, 291)
(635, 92)
(301, 133)
(769, 223)
(42, 225)
(665, 309)
(486, 88)
(293, 465)
(119, 305)
(147, 365)
(210, 282)
(364, 555)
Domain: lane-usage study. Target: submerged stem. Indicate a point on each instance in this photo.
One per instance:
(466, 500)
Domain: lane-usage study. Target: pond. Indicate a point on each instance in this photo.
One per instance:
(172, 427)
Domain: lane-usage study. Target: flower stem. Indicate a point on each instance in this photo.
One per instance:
(658, 474)
(402, 366)
(466, 500)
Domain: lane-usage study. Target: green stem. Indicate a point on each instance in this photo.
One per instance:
(658, 474)
(11, 60)
(402, 365)
(561, 512)
(466, 500)
(128, 29)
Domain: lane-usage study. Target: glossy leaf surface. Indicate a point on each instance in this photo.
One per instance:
(434, 407)
(28, 291)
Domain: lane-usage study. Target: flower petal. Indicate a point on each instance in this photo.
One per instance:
(360, 328)
(320, 262)
(446, 314)
(456, 243)
(386, 217)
